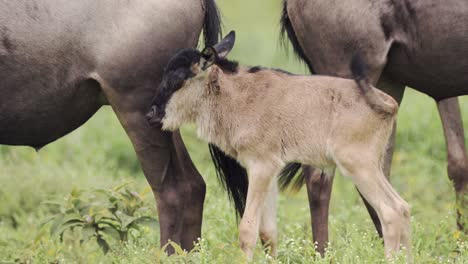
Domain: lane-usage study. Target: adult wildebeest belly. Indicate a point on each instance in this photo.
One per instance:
(38, 108)
(49, 50)
(435, 60)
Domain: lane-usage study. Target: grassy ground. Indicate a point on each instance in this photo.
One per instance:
(99, 155)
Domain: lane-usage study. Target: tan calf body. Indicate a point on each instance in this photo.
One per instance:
(266, 119)
(289, 118)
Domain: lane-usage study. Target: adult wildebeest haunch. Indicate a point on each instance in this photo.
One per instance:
(422, 44)
(60, 61)
(267, 118)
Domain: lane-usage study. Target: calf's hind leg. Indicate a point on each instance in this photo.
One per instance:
(393, 211)
(395, 90)
(449, 110)
(319, 184)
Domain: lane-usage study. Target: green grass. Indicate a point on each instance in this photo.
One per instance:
(99, 155)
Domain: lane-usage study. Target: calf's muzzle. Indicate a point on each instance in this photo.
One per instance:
(153, 117)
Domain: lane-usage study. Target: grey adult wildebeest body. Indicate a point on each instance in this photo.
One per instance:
(267, 118)
(422, 44)
(60, 61)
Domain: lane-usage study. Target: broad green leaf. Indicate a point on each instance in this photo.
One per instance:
(109, 233)
(110, 222)
(72, 217)
(87, 232)
(56, 223)
(104, 213)
(125, 219)
(69, 225)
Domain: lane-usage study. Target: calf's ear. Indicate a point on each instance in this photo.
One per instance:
(225, 45)
(210, 55)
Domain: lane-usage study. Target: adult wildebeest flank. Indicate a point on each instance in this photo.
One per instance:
(61, 61)
(422, 44)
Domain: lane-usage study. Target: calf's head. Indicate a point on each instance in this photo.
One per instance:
(184, 84)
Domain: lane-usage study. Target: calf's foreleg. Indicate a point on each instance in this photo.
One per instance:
(268, 225)
(261, 174)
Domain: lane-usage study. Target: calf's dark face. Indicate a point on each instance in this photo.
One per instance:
(184, 66)
(181, 68)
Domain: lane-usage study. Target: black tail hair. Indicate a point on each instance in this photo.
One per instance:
(287, 177)
(232, 176)
(286, 28)
(360, 74)
(359, 68)
(212, 23)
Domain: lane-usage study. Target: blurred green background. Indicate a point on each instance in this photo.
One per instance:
(99, 155)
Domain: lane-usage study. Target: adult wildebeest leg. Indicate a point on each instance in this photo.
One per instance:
(319, 184)
(178, 188)
(449, 111)
(194, 189)
(268, 226)
(260, 175)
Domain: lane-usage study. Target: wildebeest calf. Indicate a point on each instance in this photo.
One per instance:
(266, 119)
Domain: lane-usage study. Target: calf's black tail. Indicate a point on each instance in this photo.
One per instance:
(232, 176)
(289, 177)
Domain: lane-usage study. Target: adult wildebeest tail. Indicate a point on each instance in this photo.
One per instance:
(232, 176)
(286, 28)
(375, 101)
(212, 24)
(287, 177)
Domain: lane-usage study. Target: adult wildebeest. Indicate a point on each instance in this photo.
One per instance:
(60, 61)
(422, 44)
(267, 118)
